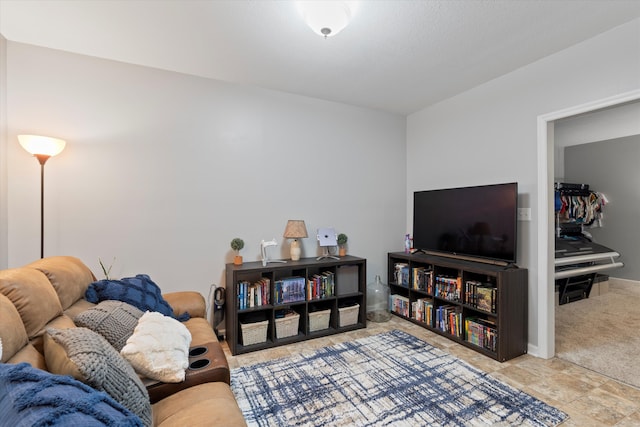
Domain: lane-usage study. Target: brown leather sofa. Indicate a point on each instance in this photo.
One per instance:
(50, 293)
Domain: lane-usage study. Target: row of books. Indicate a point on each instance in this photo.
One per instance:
(449, 288)
(401, 274)
(482, 296)
(252, 295)
(321, 285)
(399, 304)
(422, 279)
(287, 290)
(422, 311)
(481, 332)
(449, 319)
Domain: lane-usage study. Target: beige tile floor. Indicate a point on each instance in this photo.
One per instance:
(589, 398)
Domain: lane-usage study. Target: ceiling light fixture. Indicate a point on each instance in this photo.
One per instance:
(326, 18)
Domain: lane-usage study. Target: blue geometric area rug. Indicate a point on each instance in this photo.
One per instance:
(390, 379)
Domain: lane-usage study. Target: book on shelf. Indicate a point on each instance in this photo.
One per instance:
(422, 310)
(481, 332)
(482, 296)
(251, 295)
(321, 285)
(402, 274)
(449, 288)
(422, 279)
(281, 314)
(486, 296)
(449, 319)
(290, 289)
(399, 304)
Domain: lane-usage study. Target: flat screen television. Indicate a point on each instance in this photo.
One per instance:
(473, 222)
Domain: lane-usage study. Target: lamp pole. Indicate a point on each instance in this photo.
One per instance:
(42, 159)
(41, 147)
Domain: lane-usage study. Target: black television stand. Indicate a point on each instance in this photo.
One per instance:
(476, 304)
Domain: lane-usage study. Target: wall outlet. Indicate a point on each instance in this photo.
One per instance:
(524, 214)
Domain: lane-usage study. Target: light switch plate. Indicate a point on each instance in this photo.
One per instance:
(524, 214)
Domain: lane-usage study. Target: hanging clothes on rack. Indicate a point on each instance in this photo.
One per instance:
(577, 258)
(579, 205)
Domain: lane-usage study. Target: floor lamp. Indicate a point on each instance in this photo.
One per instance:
(41, 147)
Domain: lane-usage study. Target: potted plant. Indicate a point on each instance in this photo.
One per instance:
(342, 241)
(106, 270)
(237, 244)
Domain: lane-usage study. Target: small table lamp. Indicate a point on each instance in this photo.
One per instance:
(295, 230)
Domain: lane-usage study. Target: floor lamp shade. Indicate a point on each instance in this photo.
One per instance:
(41, 145)
(42, 148)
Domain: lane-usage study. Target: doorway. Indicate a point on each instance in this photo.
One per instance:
(546, 242)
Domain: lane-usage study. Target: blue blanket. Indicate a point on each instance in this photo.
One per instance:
(139, 291)
(30, 397)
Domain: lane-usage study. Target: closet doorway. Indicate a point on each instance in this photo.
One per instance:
(546, 242)
(589, 332)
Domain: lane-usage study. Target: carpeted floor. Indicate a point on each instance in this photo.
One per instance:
(388, 379)
(601, 333)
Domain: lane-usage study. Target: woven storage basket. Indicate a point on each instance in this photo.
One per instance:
(287, 326)
(319, 320)
(348, 315)
(254, 333)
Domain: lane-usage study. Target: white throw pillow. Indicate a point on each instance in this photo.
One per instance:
(0, 348)
(159, 348)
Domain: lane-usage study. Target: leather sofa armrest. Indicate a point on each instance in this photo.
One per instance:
(189, 301)
(210, 404)
(207, 363)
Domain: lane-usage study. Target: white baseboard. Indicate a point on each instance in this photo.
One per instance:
(624, 282)
(631, 285)
(533, 350)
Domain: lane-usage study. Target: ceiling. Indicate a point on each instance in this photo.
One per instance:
(397, 55)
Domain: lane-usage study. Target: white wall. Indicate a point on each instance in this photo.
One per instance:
(611, 167)
(609, 123)
(4, 224)
(488, 134)
(162, 170)
(615, 122)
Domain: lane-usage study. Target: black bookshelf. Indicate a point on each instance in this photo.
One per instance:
(483, 306)
(349, 290)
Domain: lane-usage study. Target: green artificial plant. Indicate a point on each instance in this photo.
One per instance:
(105, 270)
(237, 244)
